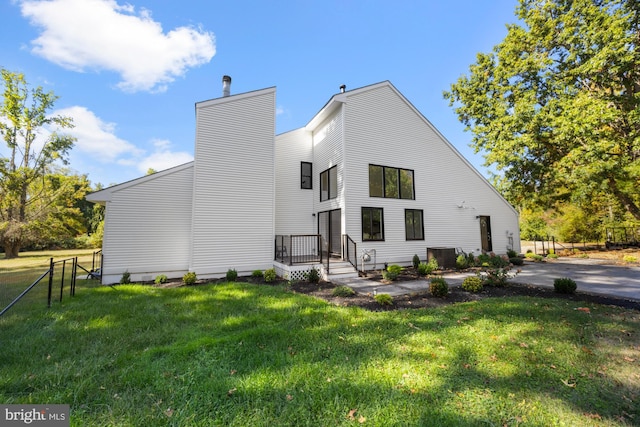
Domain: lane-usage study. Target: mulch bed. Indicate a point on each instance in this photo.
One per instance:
(456, 294)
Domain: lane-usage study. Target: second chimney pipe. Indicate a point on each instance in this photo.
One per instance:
(226, 85)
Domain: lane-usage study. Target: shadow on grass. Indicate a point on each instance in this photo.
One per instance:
(239, 354)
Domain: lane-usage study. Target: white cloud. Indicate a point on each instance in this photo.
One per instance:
(163, 158)
(96, 137)
(101, 34)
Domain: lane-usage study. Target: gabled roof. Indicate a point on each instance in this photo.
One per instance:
(106, 194)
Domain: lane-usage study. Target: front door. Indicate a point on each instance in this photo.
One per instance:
(485, 233)
(330, 228)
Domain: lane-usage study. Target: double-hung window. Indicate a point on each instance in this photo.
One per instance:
(414, 224)
(372, 224)
(306, 170)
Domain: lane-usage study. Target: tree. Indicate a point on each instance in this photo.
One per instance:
(555, 106)
(28, 190)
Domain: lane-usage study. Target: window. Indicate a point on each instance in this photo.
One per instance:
(413, 224)
(306, 169)
(329, 184)
(372, 224)
(391, 182)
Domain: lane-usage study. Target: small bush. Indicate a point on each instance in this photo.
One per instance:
(534, 257)
(565, 285)
(471, 260)
(160, 279)
(312, 276)
(630, 259)
(189, 278)
(428, 268)
(416, 261)
(270, 275)
(472, 284)
(552, 256)
(343, 291)
(126, 278)
(232, 275)
(256, 274)
(511, 253)
(516, 261)
(461, 262)
(392, 272)
(438, 287)
(384, 299)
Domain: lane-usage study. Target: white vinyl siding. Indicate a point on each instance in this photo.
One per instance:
(382, 128)
(233, 206)
(328, 151)
(294, 205)
(148, 227)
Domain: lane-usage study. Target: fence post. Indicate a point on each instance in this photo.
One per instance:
(64, 266)
(50, 282)
(74, 272)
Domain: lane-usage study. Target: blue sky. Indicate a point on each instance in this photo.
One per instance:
(129, 73)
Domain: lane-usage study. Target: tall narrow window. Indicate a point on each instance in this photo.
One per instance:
(413, 224)
(372, 224)
(306, 173)
(376, 181)
(391, 183)
(406, 184)
(329, 184)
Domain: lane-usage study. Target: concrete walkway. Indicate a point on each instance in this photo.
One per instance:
(591, 275)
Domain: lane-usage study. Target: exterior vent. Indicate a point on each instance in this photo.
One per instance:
(343, 88)
(226, 85)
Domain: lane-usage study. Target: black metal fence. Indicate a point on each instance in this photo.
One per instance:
(35, 286)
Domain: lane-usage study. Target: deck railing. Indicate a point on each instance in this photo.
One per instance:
(350, 250)
(301, 249)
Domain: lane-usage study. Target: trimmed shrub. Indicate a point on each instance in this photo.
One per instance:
(312, 276)
(552, 256)
(629, 259)
(392, 272)
(232, 275)
(256, 274)
(438, 287)
(472, 284)
(416, 261)
(384, 299)
(343, 291)
(511, 253)
(461, 262)
(126, 278)
(534, 257)
(189, 278)
(565, 285)
(496, 276)
(516, 261)
(160, 279)
(270, 275)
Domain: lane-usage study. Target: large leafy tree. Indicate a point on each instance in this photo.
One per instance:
(555, 106)
(29, 191)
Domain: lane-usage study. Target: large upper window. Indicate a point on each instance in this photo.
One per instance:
(413, 224)
(391, 182)
(372, 224)
(329, 184)
(306, 170)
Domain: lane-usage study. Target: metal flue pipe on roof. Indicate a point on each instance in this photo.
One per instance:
(226, 85)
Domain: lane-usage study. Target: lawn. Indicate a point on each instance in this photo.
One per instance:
(243, 354)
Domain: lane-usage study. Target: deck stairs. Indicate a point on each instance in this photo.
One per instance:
(340, 270)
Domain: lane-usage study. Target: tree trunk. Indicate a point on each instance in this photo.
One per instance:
(624, 198)
(11, 249)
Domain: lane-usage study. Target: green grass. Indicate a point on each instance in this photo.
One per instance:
(242, 354)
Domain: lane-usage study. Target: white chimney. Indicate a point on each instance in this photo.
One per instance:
(226, 85)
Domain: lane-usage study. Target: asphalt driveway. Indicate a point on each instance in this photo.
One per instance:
(592, 275)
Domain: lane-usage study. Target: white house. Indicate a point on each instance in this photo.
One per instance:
(369, 173)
